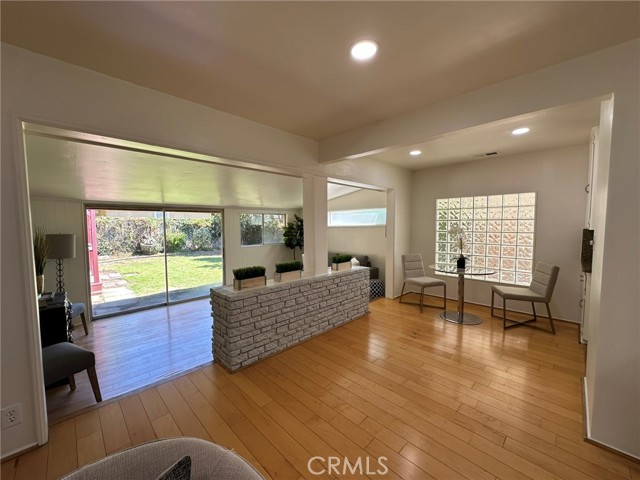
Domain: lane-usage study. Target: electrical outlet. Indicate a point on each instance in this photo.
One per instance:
(11, 416)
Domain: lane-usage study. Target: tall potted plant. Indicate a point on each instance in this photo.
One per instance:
(294, 234)
(40, 254)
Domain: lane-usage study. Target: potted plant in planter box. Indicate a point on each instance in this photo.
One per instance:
(340, 262)
(287, 271)
(248, 277)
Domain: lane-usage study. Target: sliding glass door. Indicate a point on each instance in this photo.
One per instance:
(143, 258)
(194, 253)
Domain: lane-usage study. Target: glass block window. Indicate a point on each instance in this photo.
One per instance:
(499, 233)
(262, 228)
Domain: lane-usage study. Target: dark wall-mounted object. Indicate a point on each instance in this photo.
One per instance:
(586, 256)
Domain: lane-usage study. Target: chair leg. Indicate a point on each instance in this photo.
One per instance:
(444, 303)
(402, 293)
(84, 323)
(421, 298)
(553, 328)
(72, 382)
(504, 312)
(93, 378)
(525, 323)
(492, 294)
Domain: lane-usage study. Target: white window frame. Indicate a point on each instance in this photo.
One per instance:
(262, 244)
(513, 257)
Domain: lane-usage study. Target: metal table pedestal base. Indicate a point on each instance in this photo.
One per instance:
(467, 318)
(460, 317)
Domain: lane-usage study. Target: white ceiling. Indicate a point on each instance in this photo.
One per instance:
(286, 64)
(557, 127)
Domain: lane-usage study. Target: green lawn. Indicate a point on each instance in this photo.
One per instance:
(145, 276)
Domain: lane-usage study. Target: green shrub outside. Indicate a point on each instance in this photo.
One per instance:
(176, 241)
(124, 236)
(202, 239)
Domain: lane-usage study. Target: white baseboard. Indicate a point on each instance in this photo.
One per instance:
(19, 451)
(587, 410)
(587, 427)
(455, 299)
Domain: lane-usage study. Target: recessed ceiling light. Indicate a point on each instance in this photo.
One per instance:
(415, 153)
(520, 131)
(364, 50)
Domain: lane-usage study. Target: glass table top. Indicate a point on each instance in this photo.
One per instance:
(450, 268)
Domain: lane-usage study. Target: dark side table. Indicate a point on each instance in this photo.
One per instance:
(56, 324)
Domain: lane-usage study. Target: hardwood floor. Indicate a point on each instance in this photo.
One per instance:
(437, 400)
(136, 350)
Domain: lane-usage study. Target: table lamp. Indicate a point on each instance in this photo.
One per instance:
(61, 246)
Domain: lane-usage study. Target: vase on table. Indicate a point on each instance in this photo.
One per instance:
(40, 284)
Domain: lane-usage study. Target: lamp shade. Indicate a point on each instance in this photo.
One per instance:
(61, 245)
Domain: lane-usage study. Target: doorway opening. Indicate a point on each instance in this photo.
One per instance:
(141, 258)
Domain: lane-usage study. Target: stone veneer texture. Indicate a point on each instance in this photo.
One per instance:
(249, 325)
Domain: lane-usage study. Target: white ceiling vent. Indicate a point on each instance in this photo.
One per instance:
(487, 154)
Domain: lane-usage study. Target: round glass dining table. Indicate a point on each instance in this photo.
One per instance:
(460, 317)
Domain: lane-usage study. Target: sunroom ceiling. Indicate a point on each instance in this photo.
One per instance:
(67, 169)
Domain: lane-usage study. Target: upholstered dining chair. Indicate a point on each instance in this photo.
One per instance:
(539, 291)
(414, 275)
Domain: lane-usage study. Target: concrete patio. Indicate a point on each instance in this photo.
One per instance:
(116, 296)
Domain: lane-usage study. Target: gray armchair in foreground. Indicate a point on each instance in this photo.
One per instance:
(150, 460)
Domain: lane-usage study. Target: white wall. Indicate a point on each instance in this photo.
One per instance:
(60, 216)
(614, 382)
(237, 256)
(398, 183)
(369, 241)
(558, 176)
(600, 192)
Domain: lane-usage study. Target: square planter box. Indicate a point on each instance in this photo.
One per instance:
(287, 276)
(249, 283)
(336, 267)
